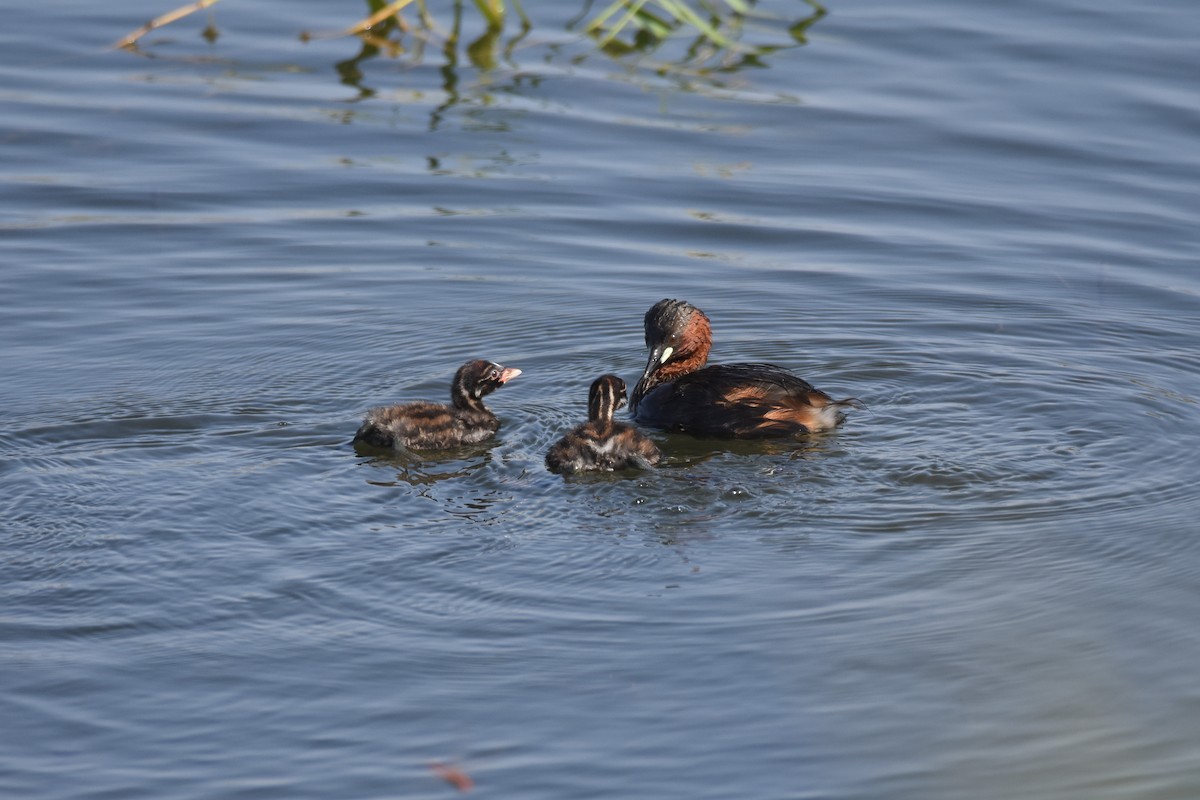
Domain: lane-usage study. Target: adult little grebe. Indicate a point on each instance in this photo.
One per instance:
(743, 401)
(432, 426)
(601, 443)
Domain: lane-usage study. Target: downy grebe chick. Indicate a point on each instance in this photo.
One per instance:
(432, 426)
(743, 401)
(601, 443)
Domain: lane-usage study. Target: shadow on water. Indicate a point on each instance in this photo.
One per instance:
(423, 469)
(682, 450)
(461, 484)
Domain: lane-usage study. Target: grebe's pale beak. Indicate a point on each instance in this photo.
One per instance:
(659, 355)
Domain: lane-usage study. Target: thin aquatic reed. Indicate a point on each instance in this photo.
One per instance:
(130, 39)
(390, 10)
(623, 28)
(678, 11)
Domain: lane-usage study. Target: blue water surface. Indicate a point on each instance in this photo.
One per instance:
(218, 252)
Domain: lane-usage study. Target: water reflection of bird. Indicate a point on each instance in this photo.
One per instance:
(432, 426)
(744, 401)
(602, 444)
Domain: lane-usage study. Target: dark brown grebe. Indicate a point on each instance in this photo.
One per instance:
(433, 426)
(602, 443)
(744, 401)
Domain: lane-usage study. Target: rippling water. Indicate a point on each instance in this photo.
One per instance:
(981, 221)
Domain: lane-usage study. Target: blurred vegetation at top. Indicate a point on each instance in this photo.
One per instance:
(692, 36)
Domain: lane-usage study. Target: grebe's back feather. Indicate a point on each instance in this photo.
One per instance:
(743, 401)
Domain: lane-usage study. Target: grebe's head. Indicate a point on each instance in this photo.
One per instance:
(606, 396)
(477, 379)
(676, 333)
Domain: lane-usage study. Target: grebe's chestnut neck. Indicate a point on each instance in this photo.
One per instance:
(679, 337)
